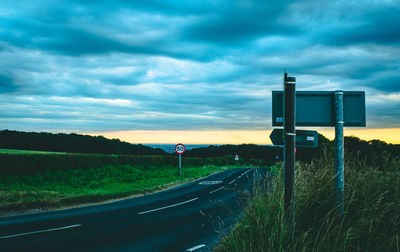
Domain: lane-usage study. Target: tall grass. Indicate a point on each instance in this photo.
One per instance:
(371, 221)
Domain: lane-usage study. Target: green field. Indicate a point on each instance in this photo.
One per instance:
(12, 151)
(47, 181)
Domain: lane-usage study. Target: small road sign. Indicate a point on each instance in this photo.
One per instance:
(304, 138)
(237, 157)
(180, 148)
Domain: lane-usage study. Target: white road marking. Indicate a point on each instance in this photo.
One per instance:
(241, 175)
(40, 231)
(232, 181)
(196, 247)
(217, 189)
(210, 182)
(174, 205)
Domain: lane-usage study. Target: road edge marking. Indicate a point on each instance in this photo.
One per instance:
(196, 247)
(173, 205)
(40, 231)
(222, 187)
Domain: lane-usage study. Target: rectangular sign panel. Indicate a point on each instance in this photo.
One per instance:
(317, 108)
(304, 138)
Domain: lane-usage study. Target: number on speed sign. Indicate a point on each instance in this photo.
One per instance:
(180, 148)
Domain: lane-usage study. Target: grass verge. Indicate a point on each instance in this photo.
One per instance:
(12, 151)
(56, 189)
(371, 221)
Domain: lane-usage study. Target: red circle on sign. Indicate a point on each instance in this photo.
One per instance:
(180, 148)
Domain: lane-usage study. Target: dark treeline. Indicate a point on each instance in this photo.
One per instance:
(73, 143)
(268, 154)
(373, 153)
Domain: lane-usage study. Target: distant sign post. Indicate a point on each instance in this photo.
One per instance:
(322, 109)
(180, 149)
(236, 159)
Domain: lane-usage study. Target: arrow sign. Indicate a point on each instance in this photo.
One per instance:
(304, 138)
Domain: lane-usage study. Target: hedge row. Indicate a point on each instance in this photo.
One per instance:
(15, 164)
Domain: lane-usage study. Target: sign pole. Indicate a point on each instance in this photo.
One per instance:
(180, 165)
(180, 149)
(289, 145)
(339, 151)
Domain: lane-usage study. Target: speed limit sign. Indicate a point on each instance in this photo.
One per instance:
(180, 148)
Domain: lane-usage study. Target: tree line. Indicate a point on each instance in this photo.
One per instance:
(268, 153)
(74, 143)
(373, 153)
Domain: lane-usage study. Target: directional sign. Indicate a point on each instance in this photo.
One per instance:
(304, 138)
(317, 108)
(180, 148)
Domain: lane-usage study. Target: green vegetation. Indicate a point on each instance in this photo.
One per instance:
(29, 164)
(54, 189)
(12, 151)
(371, 221)
(74, 143)
(372, 152)
(45, 181)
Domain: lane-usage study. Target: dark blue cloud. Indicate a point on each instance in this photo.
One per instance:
(6, 84)
(375, 27)
(152, 64)
(238, 23)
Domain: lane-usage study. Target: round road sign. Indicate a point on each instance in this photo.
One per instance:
(180, 148)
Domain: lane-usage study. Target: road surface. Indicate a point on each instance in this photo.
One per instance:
(190, 217)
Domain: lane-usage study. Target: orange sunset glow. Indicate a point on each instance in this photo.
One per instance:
(391, 135)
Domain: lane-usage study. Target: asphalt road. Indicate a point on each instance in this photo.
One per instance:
(190, 217)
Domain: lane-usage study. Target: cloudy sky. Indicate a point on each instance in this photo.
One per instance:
(137, 69)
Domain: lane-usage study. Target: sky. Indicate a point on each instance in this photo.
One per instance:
(192, 71)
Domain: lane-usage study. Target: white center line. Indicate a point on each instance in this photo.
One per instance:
(241, 175)
(196, 247)
(161, 208)
(217, 189)
(40, 231)
(232, 181)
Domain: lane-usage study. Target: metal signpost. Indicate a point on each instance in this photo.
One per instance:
(180, 149)
(289, 130)
(236, 159)
(324, 109)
